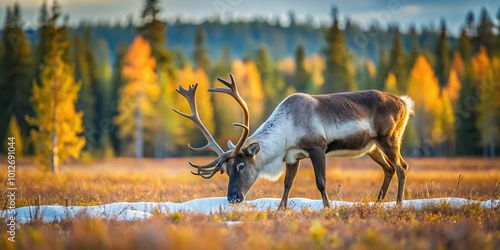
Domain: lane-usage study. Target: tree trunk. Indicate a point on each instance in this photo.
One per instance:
(54, 160)
(158, 143)
(54, 157)
(138, 134)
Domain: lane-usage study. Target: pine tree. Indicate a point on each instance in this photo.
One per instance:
(302, 78)
(223, 65)
(222, 69)
(449, 93)
(442, 67)
(366, 77)
(495, 95)
(98, 92)
(179, 58)
(86, 101)
(138, 95)
(15, 79)
(200, 54)
(488, 109)
(485, 36)
(117, 84)
(264, 63)
(338, 75)
(273, 88)
(466, 131)
(383, 68)
(92, 94)
(49, 28)
(154, 31)
(467, 134)
(469, 22)
(104, 75)
(414, 51)
(151, 10)
(397, 62)
(65, 35)
(45, 31)
(464, 46)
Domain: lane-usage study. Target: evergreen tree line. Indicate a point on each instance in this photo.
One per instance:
(67, 94)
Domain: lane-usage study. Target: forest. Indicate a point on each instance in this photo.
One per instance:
(102, 90)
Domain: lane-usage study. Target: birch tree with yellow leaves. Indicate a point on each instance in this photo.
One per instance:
(434, 117)
(59, 127)
(487, 76)
(137, 97)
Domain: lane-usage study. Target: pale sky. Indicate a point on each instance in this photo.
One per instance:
(419, 12)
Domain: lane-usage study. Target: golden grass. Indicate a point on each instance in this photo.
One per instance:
(358, 227)
(118, 180)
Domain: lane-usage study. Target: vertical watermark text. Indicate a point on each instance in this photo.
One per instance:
(11, 189)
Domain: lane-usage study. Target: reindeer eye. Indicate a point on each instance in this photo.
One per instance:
(240, 166)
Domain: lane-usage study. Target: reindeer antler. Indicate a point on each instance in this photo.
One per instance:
(232, 90)
(208, 170)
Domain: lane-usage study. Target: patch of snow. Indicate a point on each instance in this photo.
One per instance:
(231, 223)
(130, 211)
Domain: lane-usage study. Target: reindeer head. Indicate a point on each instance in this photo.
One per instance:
(238, 162)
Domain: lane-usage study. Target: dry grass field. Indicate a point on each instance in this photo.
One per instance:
(359, 227)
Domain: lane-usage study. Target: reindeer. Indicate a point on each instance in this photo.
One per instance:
(348, 124)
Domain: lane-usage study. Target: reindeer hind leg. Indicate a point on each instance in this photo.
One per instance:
(378, 156)
(390, 147)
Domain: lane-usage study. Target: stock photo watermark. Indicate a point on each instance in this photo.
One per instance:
(392, 9)
(226, 8)
(11, 189)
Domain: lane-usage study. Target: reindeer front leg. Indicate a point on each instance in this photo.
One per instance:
(317, 155)
(291, 172)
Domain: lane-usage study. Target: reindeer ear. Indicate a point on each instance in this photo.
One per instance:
(223, 169)
(252, 150)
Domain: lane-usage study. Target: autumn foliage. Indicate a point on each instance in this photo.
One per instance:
(126, 107)
(59, 125)
(136, 111)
